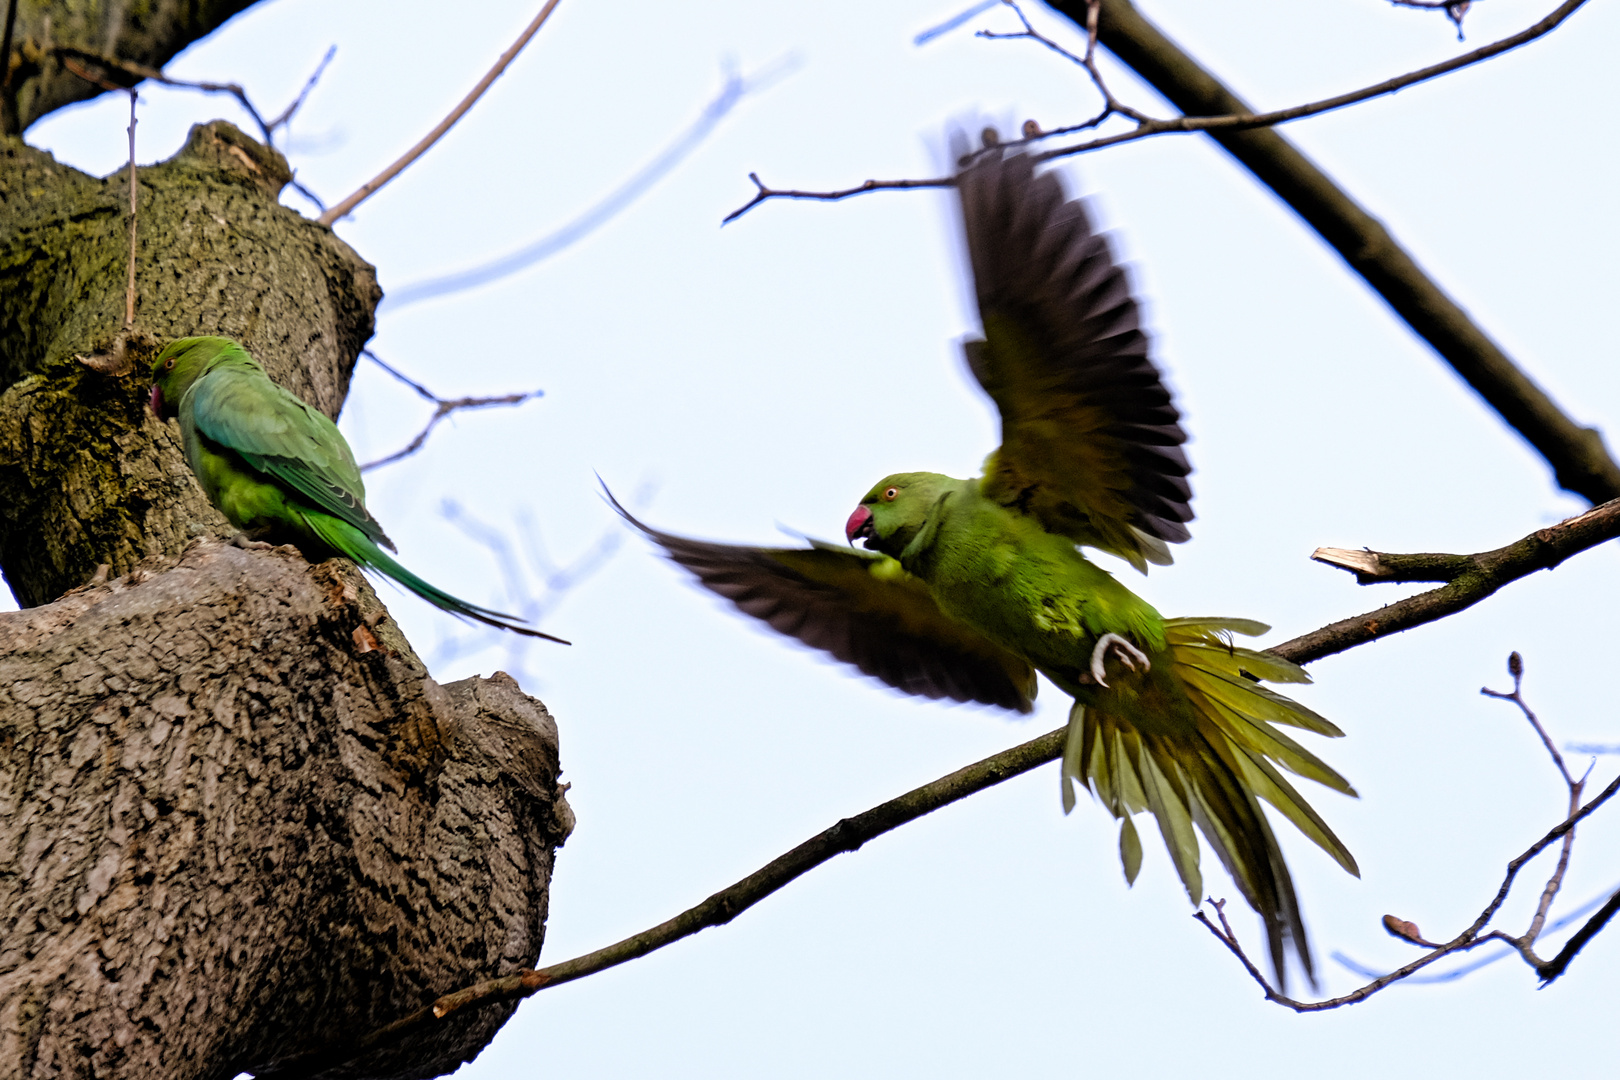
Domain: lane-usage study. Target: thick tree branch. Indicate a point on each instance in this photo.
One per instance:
(370, 187)
(234, 758)
(1579, 459)
(39, 80)
(1469, 579)
(719, 909)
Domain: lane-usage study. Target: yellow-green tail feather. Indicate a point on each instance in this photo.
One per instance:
(1213, 776)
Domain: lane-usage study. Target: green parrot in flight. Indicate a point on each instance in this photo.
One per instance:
(970, 587)
(277, 468)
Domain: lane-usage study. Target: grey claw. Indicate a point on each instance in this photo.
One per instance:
(1129, 655)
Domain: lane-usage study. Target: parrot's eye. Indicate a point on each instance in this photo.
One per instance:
(890, 494)
(168, 365)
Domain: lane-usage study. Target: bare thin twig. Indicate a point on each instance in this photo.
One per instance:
(1464, 970)
(1147, 127)
(765, 192)
(555, 581)
(137, 72)
(1526, 942)
(134, 71)
(1470, 938)
(115, 360)
(285, 116)
(370, 187)
(1112, 106)
(1241, 122)
(847, 835)
(73, 59)
(1516, 669)
(442, 407)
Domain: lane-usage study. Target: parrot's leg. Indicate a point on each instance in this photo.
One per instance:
(1128, 654)
(249, 541)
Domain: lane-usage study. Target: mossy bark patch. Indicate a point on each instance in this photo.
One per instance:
(86, 477)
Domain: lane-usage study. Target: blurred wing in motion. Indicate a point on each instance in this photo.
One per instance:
(1091, 440)
(863, 609)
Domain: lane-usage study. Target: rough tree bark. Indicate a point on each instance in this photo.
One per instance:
(237, 819)
(87, 475)
(148, 32)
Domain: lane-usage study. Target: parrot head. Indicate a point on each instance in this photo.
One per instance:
(892, 512)
(179, 365)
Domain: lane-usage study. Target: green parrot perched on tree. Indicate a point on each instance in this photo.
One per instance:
(972, 586)
(279, 469)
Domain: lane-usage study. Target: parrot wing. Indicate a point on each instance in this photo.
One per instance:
(862, 608)
(1091, 440)
(284, 438)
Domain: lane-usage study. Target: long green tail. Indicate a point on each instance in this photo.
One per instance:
(1211, 777)
(342, 537)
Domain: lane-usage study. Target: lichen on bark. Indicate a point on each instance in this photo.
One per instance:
(86, 477)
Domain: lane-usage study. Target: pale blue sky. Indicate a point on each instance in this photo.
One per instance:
(770, 371)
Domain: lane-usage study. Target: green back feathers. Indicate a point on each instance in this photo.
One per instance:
(226, 396)
(1090, 437)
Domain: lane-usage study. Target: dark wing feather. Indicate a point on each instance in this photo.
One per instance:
(240, 408)
(1091, 440)
(861, 608)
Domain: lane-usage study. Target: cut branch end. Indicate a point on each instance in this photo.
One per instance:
(1364, 563)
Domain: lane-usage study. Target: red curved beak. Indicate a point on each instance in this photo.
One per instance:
(157, 401)
(859, 524)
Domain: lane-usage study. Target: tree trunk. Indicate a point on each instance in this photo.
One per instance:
(238, 822)
(87, 475)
